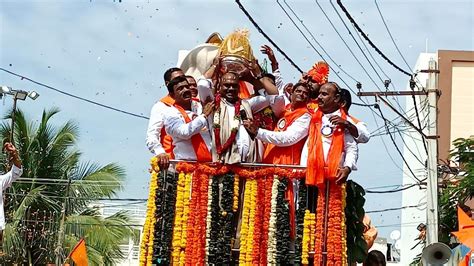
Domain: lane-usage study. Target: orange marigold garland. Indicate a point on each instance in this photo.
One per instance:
(335, 234)
(343, 226)
(268, 184)
(191, 233)
(259, 217)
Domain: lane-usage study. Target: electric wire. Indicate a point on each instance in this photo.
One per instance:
(398, 150)
(72, 95)
(312, 36)
(348, 15)
(247, 14)
(397, 208)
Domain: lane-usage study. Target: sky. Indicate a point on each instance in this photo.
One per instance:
(115, 53)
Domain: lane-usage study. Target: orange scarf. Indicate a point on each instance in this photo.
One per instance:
(286, 155)
(355, 120)
(319, 170)
(165, 139)
(199, 146)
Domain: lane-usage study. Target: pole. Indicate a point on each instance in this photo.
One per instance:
(13, 118)
(432, 164)
(59, 246)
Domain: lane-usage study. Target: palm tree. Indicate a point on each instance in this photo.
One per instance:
(54, 180)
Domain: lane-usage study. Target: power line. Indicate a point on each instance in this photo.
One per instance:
(396, 147)
(72, 95)
(396, 209)
(369, 41)
(314, 38)
(266, 36)
(389, 33)
(391, 191)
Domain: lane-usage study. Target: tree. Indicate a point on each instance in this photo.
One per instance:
(33, 204)
(459, 182)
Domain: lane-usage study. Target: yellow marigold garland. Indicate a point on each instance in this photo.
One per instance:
(244, 230)
(181, 218)
(146, 246)
(235, 204)
(305, 247)
(251, 223)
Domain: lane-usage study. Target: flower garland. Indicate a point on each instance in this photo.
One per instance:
(335, 239)
(265, 118)
(301, 223)
(272, 241)
(283, 230)
(166, 198)
(217, 126)
(268, 185)
(147, 238)
(235, 203)
(181, 217)
(306, 238)
(259, 217)
(226, 228)
(247, 223)
(343, 226)
(208, 221)
(214, 226)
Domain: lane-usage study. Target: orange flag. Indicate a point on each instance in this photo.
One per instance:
(79, 254)
(465, 234)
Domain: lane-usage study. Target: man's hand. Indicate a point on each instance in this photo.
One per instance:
(342, 174)
(163, 161)
(255, 70)
(12, 153)
(208, 109)
(265, 49)
(338, 121)
(251, 127)
(288, 88)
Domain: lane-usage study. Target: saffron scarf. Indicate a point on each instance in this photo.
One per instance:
(286, 155)
(199, 146)
(319, 170)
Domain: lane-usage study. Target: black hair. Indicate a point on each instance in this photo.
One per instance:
(346, 98)
(270, 76)
(189, 76)
(167, 75)
(173, 83)
(375, 258)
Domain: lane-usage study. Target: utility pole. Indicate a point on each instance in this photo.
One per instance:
(59, 246)
(432, 92)
(432, 164)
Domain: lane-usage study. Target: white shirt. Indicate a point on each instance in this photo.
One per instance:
(350, 153)
(364, 134)
(181, 132)
(297, 131)
(6, 181)
(155, 124)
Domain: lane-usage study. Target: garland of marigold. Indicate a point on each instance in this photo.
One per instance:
(300, 219)
(272, 241)
(146, 246)
(305, 246)
(181, 217)
(335, 240)
(235, 202)
(259, 217)
(248, 220)
(343, 226)
(266, 219)
(208, 220)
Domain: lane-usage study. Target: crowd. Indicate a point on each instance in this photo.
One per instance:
(217, 119)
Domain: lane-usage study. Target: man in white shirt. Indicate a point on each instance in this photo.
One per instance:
(7, 180)
(156, 140)
(186, 125)
(331, 152)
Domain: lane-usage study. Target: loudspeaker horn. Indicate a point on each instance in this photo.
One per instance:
(436, 254)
